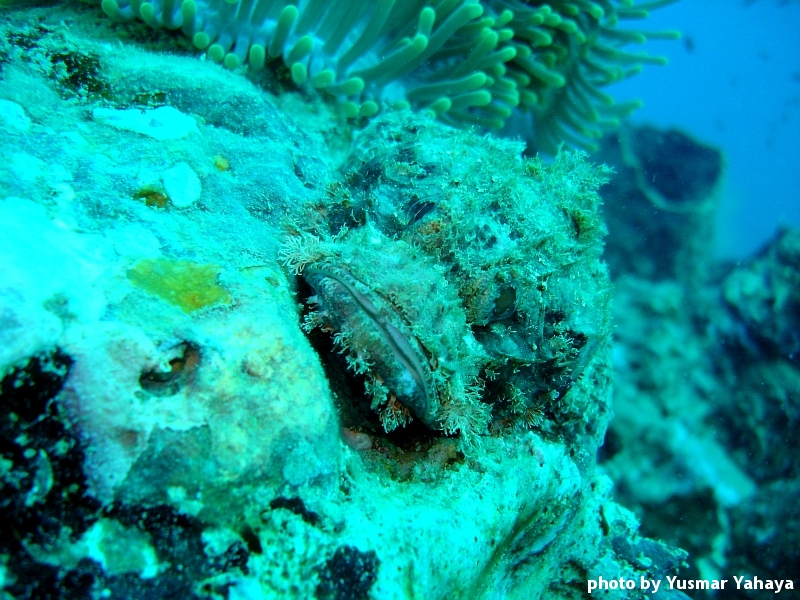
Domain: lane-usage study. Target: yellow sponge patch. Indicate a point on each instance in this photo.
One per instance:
(189, 285)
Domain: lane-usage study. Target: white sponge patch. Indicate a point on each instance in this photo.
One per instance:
(182, 185)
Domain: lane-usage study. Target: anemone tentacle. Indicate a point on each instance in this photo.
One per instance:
(468, 62)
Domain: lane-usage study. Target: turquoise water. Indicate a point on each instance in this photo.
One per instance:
(734, 82)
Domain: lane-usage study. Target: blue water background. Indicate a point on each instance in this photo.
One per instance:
(733, 81)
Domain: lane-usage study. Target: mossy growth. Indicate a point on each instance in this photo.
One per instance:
(80, 73)
(185, 284)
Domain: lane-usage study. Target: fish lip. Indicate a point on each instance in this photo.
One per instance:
(402, 347)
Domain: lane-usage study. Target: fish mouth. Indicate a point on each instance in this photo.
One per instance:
(367, 325)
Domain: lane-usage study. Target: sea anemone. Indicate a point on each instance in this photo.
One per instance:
(469, 62)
